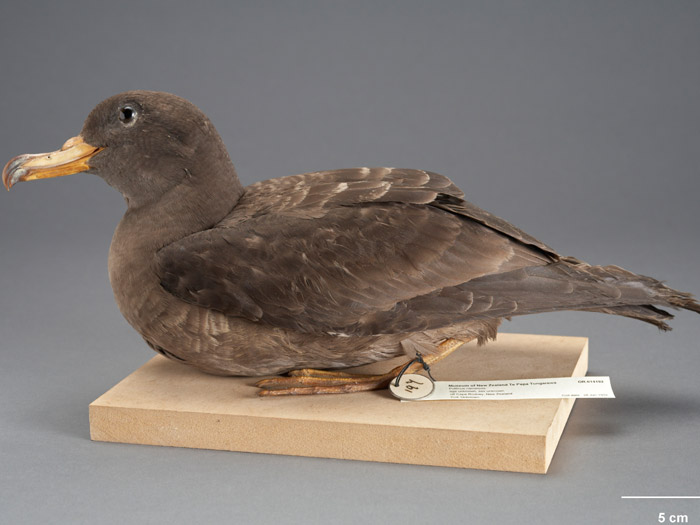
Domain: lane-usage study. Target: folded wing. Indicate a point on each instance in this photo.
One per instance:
(350, 252)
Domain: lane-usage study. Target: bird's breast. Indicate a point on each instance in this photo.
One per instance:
(134, 280)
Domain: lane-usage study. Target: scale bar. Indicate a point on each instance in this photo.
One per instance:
(660, 497)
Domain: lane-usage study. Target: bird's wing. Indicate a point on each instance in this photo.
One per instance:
(313, 194)
(343, 252)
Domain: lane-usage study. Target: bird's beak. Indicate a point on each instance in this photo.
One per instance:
(71, 158)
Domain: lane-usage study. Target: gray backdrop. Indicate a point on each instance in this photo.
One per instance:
(579, 122)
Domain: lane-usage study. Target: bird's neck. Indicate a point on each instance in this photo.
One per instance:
(192, 206)
(187, 208)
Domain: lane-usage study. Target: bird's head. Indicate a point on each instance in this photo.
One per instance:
(143, 143)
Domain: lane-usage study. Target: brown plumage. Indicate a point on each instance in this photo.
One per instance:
(328, 269)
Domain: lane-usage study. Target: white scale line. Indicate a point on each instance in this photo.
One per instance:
(660, 497)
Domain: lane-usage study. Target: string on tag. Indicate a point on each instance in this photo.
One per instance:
(417, 359)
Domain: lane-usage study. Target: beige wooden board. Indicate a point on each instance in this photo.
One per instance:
(170, 404)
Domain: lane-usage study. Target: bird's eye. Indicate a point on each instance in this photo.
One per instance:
(127, 115)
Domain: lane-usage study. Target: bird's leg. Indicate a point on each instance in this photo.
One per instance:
(311, 381)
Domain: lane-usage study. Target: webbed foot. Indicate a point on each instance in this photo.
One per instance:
(308, 381)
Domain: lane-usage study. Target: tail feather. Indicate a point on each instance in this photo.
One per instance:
(658, 292)
(647, 313)
(685, 301)
(570, 284)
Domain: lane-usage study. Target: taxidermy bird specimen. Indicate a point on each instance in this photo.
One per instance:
(311, 272)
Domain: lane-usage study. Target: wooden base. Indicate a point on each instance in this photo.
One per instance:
(166, 403)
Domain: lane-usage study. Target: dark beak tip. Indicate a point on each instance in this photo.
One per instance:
(9, 172)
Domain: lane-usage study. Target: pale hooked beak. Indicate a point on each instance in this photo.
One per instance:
(71, 158)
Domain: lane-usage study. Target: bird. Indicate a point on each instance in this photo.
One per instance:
(307, 275)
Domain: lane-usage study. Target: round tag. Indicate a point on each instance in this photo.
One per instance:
(412, 386)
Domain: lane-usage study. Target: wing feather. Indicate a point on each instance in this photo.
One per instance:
(355, 252)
